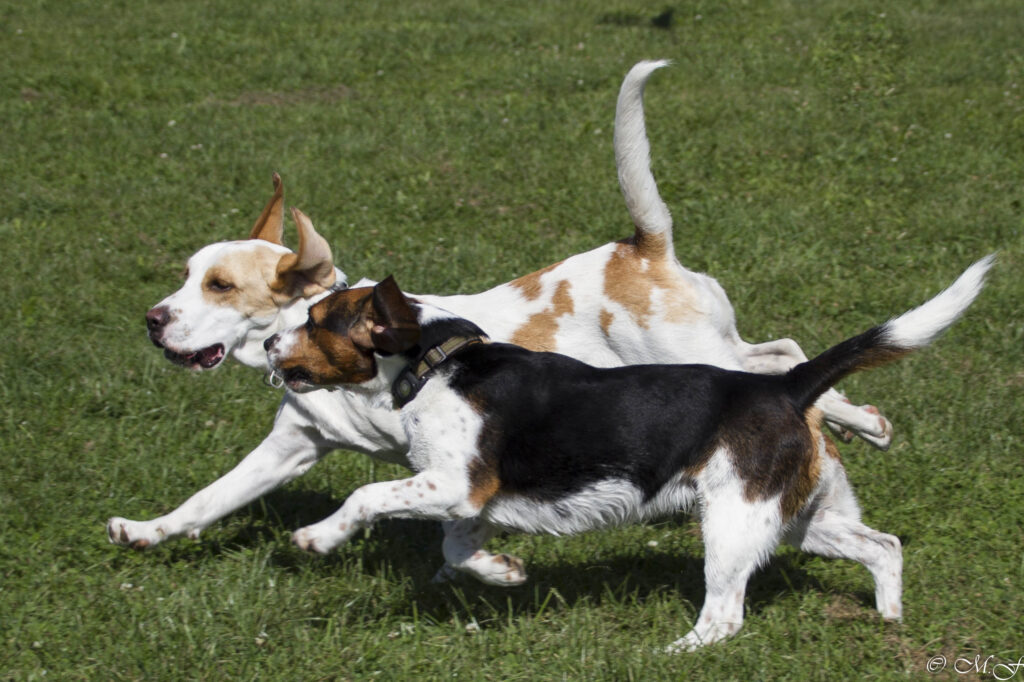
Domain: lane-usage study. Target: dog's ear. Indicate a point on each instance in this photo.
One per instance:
(311, 270)
(392, 326)
(270, 225)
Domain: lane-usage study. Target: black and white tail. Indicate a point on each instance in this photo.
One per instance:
(887, 342)
(633, 160)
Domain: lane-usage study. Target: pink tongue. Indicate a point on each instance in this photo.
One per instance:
(208, 357)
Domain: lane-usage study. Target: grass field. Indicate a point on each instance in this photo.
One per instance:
(831, 163)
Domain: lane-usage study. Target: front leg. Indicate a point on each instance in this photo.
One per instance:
(431, 495)
(288, 452)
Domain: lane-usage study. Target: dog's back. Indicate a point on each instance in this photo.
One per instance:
(556, 432)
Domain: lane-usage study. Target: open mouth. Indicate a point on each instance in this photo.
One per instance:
(206, 358)
(297, 379)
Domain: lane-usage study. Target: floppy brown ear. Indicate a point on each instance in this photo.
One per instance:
(311, 270)
(270, 225)
(395, 328)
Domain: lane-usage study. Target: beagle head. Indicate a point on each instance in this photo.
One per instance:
(344, 336)
(236, 294)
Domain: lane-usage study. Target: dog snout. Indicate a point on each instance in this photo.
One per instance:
(269, 343)
(156, 319)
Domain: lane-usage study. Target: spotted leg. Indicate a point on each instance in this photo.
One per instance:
(827, 533)
(431, 495)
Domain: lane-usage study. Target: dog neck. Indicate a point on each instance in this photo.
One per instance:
(442, 336)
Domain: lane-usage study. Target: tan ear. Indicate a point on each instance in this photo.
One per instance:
(395, 328)
(270, 225)
(311, 270)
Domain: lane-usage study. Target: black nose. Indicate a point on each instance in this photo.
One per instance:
(157, 318)
(269, 343)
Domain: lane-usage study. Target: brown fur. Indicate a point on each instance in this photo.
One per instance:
(326, 350)
(483, 483)
(270, 225)
(530, 285)
(774, 453)
(630, 278)
(538, 332)
(247, 276)
(810, 468)
(310, 270)
(605, 320)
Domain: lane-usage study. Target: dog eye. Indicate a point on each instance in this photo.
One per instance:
(220, 285)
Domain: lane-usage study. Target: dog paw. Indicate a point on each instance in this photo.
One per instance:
(314, 539)
(514, 571)
(881, 435)
(843, 434)
(134, 534)
(500, 570)
(695, 640)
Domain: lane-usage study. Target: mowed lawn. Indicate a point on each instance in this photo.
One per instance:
(831, 163)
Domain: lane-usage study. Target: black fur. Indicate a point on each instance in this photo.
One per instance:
(554, 425)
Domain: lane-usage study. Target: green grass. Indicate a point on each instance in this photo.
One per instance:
(831, 163)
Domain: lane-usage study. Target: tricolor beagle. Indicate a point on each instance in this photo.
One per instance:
(506, 438)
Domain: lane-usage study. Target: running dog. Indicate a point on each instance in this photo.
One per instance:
(623, 303)
(506, 438)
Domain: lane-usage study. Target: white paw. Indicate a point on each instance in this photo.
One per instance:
(695, 640)
(873, 427)
(502, 570)
(134, 534)
(317, 538)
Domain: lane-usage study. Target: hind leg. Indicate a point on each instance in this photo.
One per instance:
(827, 532)
(738, 537)
(463, 551)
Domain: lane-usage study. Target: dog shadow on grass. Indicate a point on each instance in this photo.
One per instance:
(410, 551)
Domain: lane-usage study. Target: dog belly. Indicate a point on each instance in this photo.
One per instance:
(606, 503)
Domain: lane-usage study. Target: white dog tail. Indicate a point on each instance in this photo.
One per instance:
(633, 160)
(887, 342)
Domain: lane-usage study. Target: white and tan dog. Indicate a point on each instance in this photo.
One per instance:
(626, 302)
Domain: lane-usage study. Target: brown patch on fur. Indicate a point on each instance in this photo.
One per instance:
(605, 320)
(775, 453)
(324, 348)
(538, 332)
(270, 225)
(876, 357)
(635, 270)
(483, 483)
(809, 471)
(248, 276)
(831, 449)
(310, 270)
(529, 285)
(650, 245)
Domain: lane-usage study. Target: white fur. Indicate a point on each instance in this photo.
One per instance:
(600, 505)
(920, 326)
